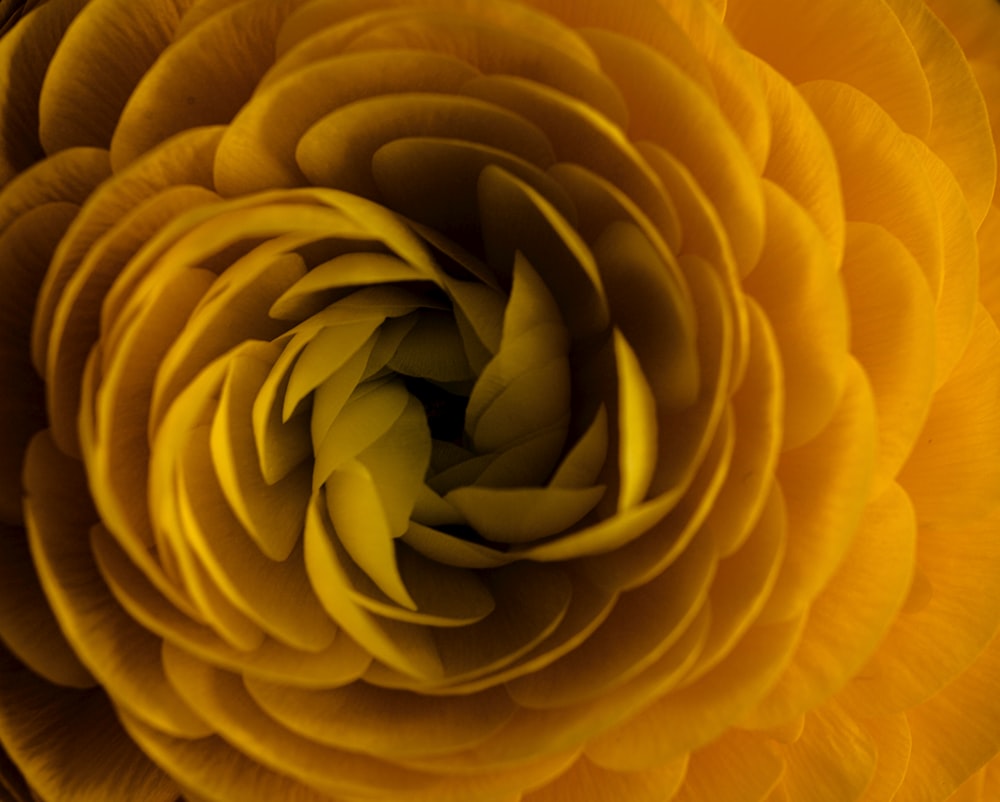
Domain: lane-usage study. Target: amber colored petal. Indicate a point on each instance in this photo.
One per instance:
(797, 284)
(644, 21)
(121, 215)
(516, 218)
(953, 600)
(960, 132)
(271, 513)
(882, 180)
(893, 743)
(337, 150)
(972, 790)
(112, 646)
(810, 42)
(702, 711)
(989, 249)
(954, 733)
(74, 322)
(276, 596)
(956, 307)
(738, 766)
(502, 38)
(740, 95)
(12, 781)
(608, 658)
(825, 484)
(892, 342)
(654, 314)
(25, 53)
(25, 249)
(851, 615)
(88, 754)
(227, 704)
(68, 177)
(705, 244)
(215, 769)
(354, 717)
(250, 285)
(702, 141)
(833, 760)
(581, 136)
(105, 53)
(585, 780)
(278, 752)
(188, 87)
(304, 96)
(560, 732)
(757, 406)
(742, 583)
(801, 160)
(696, 450)
(27, 625)
(342, 662)
(952, 474)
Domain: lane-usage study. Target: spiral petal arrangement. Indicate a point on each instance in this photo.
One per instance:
(523, 401)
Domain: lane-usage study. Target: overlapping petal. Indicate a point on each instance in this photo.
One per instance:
(509, 402)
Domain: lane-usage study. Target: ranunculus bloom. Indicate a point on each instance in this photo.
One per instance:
(500, 401)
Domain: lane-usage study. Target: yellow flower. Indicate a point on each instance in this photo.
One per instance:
(510, 401)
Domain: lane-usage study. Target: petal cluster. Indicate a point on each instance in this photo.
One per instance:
(499, 402)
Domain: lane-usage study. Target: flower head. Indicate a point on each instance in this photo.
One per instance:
(525, 400)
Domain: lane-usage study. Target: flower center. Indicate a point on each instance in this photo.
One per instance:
(445, 410)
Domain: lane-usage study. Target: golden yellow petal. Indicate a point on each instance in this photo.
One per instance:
(700, 138)
(851, 615)
(116, 650)
(270, 125)
(952, 472)
(25, 52)
(337, 150)
(27, 625)
(693, 716)
(90, 757)
(891, 735)
(892, 342)
(955, 732)
(272, 513)
(517, 219)
(742, 583)
(26, 247)
(104, 54)
(357, 717)
(340, 663)
(585, 780)
(960, 133)
(883, 180)
(826, 484)
(810, 41)
(74, 320)
(953, 601)
(274, 748)
(653, 314)
(276, 595)
(956, 308)
(187, 87)
(616, 651)
(833, 760)
(738, 766)
(559, 733)
(796, 282)
(758, 406)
